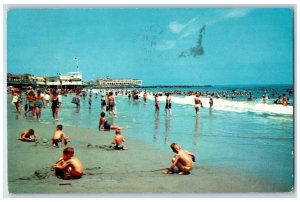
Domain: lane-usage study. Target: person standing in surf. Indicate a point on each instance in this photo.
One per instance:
(156, 113)
(168, 105)
(198, 104)
(55, 105)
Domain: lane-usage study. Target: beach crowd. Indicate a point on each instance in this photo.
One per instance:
(31, 103)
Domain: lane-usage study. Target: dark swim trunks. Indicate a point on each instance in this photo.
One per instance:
(119, 147)
(106, 125)
(168, 106)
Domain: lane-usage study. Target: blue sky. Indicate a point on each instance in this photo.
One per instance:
(239, 45)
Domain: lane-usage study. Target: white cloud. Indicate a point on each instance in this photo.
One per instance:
(237, 13)
(166, 45)
(189, 32)
(177, 27)
(234, 13)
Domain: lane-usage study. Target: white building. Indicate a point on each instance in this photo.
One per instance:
(119, 83)
(70, 80)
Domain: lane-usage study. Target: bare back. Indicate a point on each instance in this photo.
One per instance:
(119, 139)
(58, 134)
(184, 158)
(76, 164)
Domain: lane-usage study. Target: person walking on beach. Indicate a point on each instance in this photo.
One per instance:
(59, 98)
(111, 103)
(103, 124)
(68, 166)
(59, 136)
(55, 105)
(90, 99)
(47, 98)
(183, 160)
(211, 101)
(28, 136)
(156, 106)
(77, 99)
(30, 98)
(118, 141)
(39, 103)
(103, 104)
(198, 104)
(168, 105)
(17, 101)
(145, 96)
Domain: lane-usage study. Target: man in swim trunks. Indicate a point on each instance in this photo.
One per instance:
(59, 136)
(156, 105)
(28, 136)
(118, 141)
(168, 105)
(30, 98)
(68, 166)
(198, 103)
(111, 103)
(182, 160)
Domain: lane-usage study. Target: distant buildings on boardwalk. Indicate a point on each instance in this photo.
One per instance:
(71, 80)
(118, 83)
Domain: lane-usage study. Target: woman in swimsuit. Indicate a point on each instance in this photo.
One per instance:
(103, 124)
(103, 103)
(284, 100)
(55, 105)
(39, 103)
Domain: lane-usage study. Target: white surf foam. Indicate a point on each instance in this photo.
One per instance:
(230, 105)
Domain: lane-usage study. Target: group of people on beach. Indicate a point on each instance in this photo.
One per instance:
(70, 167)
(35, 101)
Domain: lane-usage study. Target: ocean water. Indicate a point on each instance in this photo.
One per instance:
(249, 138)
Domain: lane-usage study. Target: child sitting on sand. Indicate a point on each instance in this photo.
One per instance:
(181, 160)
(118, 141)
(59, 136)
(103, 124)
(68, 166)
(28, 136)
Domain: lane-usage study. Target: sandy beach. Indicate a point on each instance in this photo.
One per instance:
(106, 171)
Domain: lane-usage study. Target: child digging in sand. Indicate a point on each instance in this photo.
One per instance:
(28, 136)
(59, 136)
(181, 160)
(118, 141)
(68, 166)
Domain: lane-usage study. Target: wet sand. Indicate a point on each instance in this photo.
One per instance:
(136, 170)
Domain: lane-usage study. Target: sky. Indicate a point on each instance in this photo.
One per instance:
(160, 46)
